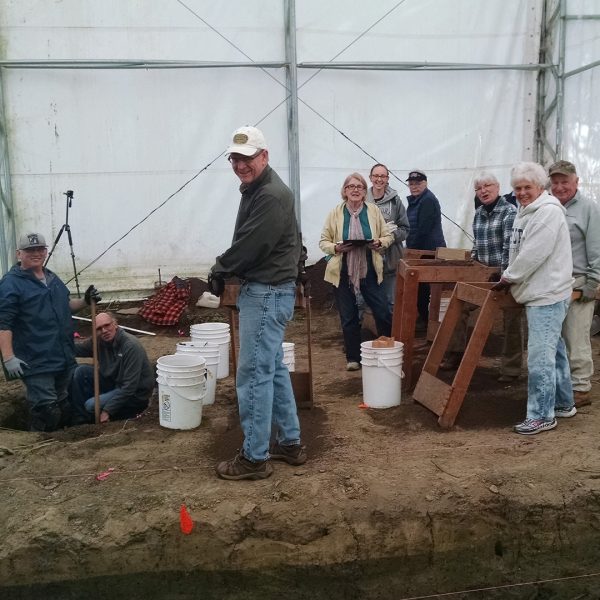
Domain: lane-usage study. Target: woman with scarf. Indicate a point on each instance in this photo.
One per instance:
(354, 237)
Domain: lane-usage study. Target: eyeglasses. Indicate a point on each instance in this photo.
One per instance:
(243, 159)
(353, 186)
(380, 176)
(484, 186)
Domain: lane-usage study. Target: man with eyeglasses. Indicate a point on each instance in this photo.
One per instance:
(36, 333)
(264, 254)
(583, 219)
(492, 226)
(126, 378)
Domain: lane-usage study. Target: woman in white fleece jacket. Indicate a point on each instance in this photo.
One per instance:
(539, 276)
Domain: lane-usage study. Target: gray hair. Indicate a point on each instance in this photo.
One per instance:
(485, 177)
(352, 176)
(529, 171)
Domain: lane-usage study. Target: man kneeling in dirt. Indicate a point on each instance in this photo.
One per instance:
(125, 374)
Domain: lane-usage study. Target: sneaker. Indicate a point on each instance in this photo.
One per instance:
(352, 366)
(582, 399)
(240, 467)
(292, 455)
(533, 426)
(565, 412)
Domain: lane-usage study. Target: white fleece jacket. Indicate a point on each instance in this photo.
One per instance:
(540, 263)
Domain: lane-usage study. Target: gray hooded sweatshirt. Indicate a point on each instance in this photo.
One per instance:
(393, 211)
(540, 263)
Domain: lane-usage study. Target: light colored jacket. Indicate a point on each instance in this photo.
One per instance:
(583, 219)
(540, 263)
(332, 234)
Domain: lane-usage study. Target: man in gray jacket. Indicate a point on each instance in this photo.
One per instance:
(126, 376)
(583, 218)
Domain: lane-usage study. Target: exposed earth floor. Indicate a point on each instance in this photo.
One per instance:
(389, 505)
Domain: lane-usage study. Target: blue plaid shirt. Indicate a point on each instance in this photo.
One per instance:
(492, 234)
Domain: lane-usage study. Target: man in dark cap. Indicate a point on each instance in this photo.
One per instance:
(583, 218)
(425, 219)
(36, 332)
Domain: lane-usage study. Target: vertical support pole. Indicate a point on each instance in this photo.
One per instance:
(560, 83)
(7, 219)
(292, 104)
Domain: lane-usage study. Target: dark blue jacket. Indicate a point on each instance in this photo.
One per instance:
(425, 218)
(40, 320)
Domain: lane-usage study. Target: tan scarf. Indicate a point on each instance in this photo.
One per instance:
(356, 258)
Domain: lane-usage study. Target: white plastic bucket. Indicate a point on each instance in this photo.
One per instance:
(211, 355)
(181, 392)
(444, 302)
(381, 375)
(214, 334)
(289, 356)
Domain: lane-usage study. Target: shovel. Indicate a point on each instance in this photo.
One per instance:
(302, 382)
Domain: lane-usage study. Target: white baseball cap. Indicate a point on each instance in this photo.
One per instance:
(247, 141)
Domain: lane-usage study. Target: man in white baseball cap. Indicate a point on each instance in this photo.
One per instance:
(264, 254)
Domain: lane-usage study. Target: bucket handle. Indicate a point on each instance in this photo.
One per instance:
(380, 363)
(192, 397)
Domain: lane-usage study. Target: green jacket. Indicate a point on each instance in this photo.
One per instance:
(266, 241)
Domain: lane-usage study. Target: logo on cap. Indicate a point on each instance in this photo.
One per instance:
(240, 138)
(33, 239)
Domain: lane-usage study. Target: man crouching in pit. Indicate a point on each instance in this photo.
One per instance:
(125, 374)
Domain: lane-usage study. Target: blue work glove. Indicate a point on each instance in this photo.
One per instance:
(91, 294)
(14, 367)
(588, 291)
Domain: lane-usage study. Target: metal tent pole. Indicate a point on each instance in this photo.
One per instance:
(292, 103)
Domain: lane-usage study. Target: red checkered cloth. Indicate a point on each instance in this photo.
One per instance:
(166, 306)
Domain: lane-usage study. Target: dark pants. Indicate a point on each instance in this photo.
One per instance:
(423, 296)
(47, 399)
(375, 297)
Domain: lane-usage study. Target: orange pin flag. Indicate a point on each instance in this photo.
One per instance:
(185, 521)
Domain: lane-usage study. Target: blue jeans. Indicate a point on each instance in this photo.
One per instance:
(374, 296)
(264, 389)
(82, 394)
(549, 385)
(47, 395)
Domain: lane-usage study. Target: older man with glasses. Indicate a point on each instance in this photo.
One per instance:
(126, 378)
(583, 218)
(492, 227)
(264, 254)
(36, 333)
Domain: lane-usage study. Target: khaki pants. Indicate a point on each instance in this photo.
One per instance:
(512, 347)
(576, 333)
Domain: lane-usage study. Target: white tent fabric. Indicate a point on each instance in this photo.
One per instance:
(125, 140)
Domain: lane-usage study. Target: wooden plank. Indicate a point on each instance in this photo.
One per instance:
(471, 293)
(453, 254)
(432, 393)
(470, 360)
(443, 336)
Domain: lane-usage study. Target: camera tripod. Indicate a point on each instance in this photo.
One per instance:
(66, 227)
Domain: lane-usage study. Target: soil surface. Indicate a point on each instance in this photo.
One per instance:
(388, 505)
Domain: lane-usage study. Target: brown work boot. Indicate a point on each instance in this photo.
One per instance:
(451, 362)
(240, 467)
(292, 455)
(582, 399)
